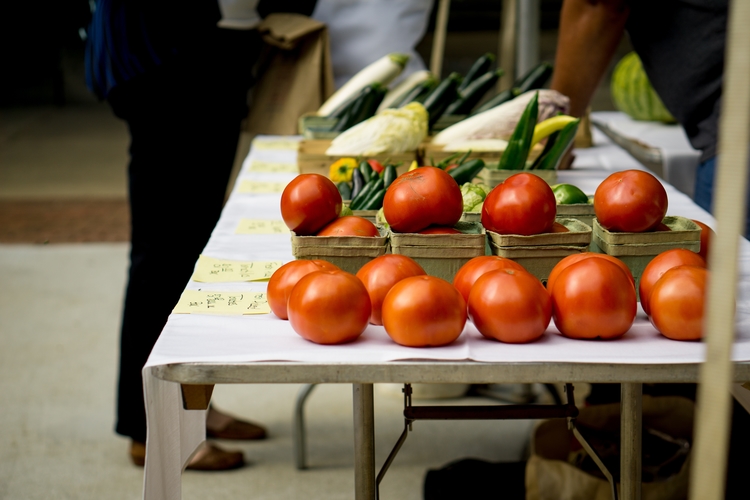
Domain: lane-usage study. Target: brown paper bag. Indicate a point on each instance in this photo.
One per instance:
(551, 476)
(295, 70)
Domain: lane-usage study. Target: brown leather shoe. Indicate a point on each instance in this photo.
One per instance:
(209, 458)
(237, 429)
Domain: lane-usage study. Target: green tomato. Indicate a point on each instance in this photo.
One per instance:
(568, 194)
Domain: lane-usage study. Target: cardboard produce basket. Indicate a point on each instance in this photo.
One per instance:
(636, 250)
(312, 126)
(442, 255)
(492, 177)
(312, 157)
(584, 212)
(349, 253)
(539, 253)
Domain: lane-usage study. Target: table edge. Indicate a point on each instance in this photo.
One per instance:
(433, 372)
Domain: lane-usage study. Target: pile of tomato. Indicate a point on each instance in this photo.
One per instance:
(588, 295)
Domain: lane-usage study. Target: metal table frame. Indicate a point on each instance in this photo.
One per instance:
(197, 380)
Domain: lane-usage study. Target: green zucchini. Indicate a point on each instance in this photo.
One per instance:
(344, 107)
(345, 190)
(441, 97)
(552, 159)
(466, 172)
(515, 154)
(550, 142)
(416, 93)
(480, 67)
(364, 194)
(375, 201)
(534, 79)
(363, 107)
(500, 98)
(473, 93)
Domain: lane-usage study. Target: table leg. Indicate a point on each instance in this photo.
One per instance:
(364, 442)
(174, 434)
(631, 423)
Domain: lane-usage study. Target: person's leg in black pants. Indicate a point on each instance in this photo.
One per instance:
(184, 121)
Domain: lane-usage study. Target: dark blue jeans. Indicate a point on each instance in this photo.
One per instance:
(704, 188)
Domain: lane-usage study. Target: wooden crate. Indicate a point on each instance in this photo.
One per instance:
(349, 253)
(442, 255)
(312, 157)
(636, 250)
(540, 253)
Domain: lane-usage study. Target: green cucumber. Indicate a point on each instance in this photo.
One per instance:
(552, 159)
(480, 67)
(389, 175)
(364, 194)
(466, 172)
(345, 190)
(358, 182)
(366, 170)
(441, 97)
(515, 154)
(534, 79)
(473, 93)
(375, 202)
(374, 186)
(501, 98)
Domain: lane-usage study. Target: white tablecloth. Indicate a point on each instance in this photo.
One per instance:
(679, 159)
(175, 433)
(199, 338)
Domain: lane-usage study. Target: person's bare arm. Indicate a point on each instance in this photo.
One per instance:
(590, 31)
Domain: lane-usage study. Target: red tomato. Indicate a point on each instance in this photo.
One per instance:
(310, 202)
(424, 311)
(350, 225)
(439, 230)
(376, 165)
(522, 204)
(284, 278)
(660, 265)
(677, 303)
(510, 306)
(380, 274)
(572, 259)
(706, 235)
(593, 298)
(632, 201)
(329, 307)
(421, 198)
(478, 266)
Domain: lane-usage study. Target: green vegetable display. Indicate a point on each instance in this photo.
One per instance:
(473, 196)
(519, 144)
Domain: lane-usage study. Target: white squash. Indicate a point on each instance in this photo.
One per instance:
(382, 71)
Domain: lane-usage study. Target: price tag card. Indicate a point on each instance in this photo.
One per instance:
(211, 270)
(273, 167)
(261, 226)
(228, 303)
(276, 144)
(261, 187)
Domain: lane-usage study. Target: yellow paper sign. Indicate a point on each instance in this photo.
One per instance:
(277, 144)
(235, 303)
(260, 226)
(262, 187)
(211, 270)
(273, 167)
